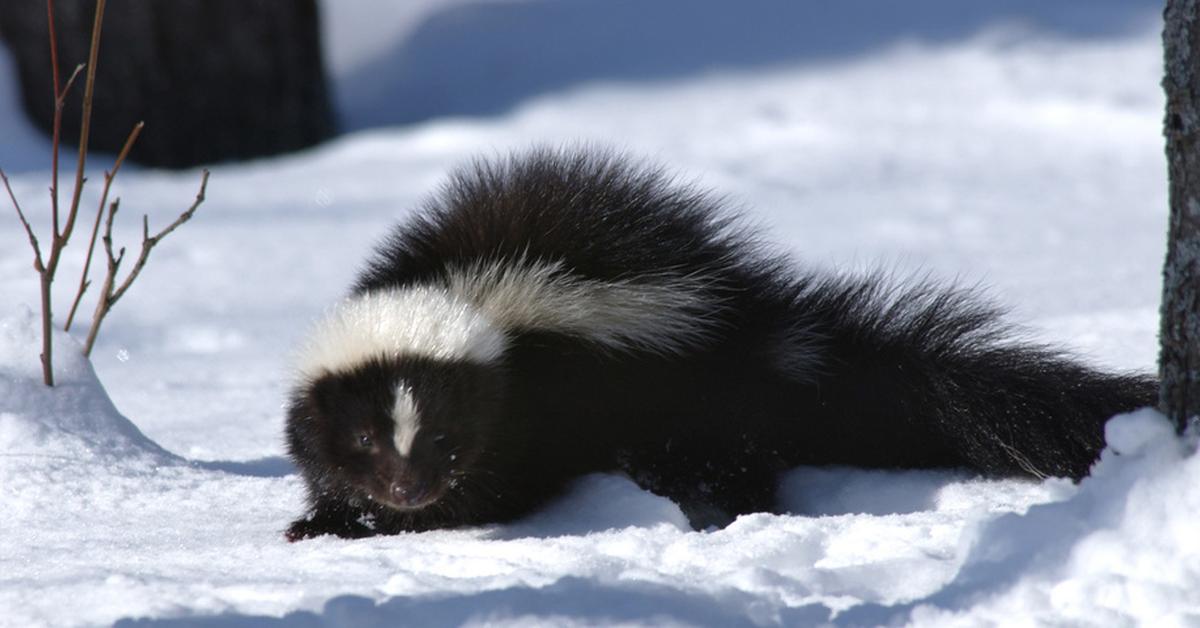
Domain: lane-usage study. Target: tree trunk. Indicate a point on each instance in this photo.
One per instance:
(1179, 362)
(214, 80)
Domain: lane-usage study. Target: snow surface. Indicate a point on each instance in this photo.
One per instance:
(1025, 156)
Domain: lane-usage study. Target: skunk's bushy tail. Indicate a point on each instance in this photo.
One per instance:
(941, 366)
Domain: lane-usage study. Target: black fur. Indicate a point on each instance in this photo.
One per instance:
(798, 368)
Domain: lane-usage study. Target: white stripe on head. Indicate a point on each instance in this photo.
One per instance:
(425, 321)
(408, 420)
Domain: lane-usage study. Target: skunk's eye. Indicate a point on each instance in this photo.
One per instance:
(440, 440)
(364, 440)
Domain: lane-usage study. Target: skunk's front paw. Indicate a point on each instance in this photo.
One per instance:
(317, 524)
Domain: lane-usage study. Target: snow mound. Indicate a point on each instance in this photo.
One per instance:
(75, 420)
(1122, 550)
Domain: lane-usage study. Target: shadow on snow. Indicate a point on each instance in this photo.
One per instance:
(485, 58)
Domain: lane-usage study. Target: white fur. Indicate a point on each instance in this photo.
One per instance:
(407, 419)
(464, 316)
(423, 320)
(659, 313)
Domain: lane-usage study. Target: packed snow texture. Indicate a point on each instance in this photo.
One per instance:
(1016, 147)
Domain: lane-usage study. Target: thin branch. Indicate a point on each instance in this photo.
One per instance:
(61, 101)
(53, 45)
(108, 224)
(33, 241)
(89, 90)
(108, 179)
(108, 295)
(58, 98)
(149, 241)
(44, 278)
(186, 215)
(114, 262)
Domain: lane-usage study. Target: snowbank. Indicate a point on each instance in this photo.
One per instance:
(75, 420)
(1121, 551)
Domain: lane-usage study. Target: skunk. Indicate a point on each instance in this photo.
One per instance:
(568, 312)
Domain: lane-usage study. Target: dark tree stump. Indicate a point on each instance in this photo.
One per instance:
(214, 80)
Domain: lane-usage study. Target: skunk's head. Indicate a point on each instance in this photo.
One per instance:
(398, 393)
(399, 432)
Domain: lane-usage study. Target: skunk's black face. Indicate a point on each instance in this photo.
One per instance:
(402, 433)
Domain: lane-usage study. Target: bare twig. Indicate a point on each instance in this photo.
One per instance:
(47, 371)
(149, 241)
(58, 99)
(62, 96)
(33, 241)
(112, 213)
(114, 263)
(89, 89)
(108, 295)
(108, 179)
(53, 45)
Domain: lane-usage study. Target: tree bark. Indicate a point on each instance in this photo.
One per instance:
(1179, 361)
(214, 80)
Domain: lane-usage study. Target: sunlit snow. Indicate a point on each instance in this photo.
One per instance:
(1027, 161)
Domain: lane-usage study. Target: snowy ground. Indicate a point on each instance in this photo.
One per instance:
(1025, 159)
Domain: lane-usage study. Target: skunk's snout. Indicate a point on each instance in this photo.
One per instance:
(410, 492)
(410, 487)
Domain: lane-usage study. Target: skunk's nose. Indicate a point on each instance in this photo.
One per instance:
(400, 491)
(409, 492)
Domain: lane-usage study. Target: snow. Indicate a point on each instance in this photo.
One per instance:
(76, 420)
(1018, 149)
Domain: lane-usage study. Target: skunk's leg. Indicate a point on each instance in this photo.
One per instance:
(711, 490)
